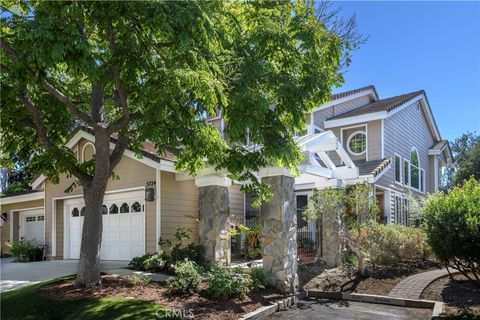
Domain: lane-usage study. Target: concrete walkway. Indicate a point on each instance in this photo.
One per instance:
(413, 286)
(18, 274)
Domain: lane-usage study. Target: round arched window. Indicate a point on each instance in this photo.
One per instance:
(357, 143)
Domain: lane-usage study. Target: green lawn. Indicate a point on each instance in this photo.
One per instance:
(27, 303)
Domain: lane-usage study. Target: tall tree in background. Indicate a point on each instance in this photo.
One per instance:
(466, 155)
(153, 70)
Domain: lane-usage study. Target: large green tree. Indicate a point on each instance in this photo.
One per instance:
(466, 154)
(153, 70)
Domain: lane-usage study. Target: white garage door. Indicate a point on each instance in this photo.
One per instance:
(32, 225)
(123, 226)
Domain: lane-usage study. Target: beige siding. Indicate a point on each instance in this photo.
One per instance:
(131, 173)
(14, 209)
(320, 116)
(403, 130)
(374, 140)
(237, 202)
(179, 206)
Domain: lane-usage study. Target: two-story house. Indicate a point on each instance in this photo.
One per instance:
(393, 144)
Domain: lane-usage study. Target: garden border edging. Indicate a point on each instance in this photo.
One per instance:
(263, 311)
(436, 306)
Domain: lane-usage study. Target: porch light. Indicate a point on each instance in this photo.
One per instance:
(150, 191)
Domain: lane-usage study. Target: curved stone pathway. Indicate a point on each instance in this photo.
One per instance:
(413, 286)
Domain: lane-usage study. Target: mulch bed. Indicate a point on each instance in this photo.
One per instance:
(380, 281)
(460, 296)
(117, 286)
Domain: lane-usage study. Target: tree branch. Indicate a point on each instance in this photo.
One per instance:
(121, 99)
(97, 102)
(49, 87)
(117, 152)
(68, 103)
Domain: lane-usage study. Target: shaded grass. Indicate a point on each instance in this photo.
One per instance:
(27, 303)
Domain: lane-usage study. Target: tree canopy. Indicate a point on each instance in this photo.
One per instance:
(154, 70)
(466, 153)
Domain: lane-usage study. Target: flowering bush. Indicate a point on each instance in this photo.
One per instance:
(224, 283)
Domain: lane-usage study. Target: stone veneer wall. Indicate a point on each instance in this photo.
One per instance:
(279, 235)
(214, 224)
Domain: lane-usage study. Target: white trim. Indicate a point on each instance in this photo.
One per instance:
(384, 114)
(350, 138)
(158, 208)
(401, 169)
(382, 137)
(88, 143)
(355, 119)
(22, 198)
(345, 99)
(11, 225)
(53, 251)
(408, 172)
(435, 174)
(37, 182)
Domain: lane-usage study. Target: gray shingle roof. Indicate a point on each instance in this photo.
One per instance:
(373, 167)
(354, 91)
(388, 105)
(439, 145)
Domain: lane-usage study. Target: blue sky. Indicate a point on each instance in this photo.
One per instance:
(433, 46)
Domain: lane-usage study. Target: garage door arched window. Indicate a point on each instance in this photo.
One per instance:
(75, 212)
(124, 208)
(136, 207)
(357, 143)
(113, 209)
(82, 212)
(104, 209)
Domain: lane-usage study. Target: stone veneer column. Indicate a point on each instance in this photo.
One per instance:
(329, 241)
(214, 224)
(279, 235)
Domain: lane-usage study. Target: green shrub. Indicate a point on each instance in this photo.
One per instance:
(389, 244)
(139, 279)
(187, 278)
(192, 252)
(260, 278)
(137, 263)
(351, 260)
(224, 283)
(155, 262)
(452, 225)
(26, 251)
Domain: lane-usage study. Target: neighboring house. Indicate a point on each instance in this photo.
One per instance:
(393, 144)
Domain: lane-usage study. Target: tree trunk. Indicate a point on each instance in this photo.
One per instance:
(89, 264)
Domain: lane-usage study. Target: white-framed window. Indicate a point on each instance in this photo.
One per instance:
(357, 143)
(398, 168)
(88, 151)
(414, 169)
(422, 180)
(401, 209)
(406, 172)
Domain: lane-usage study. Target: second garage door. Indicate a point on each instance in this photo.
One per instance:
(123, 226)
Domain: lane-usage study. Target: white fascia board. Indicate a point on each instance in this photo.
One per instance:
(213, 180)
(345, 173)
(355, 119)
(274, 171)
(316, 171)
(22, 198)
(37, 184)
(345, 99)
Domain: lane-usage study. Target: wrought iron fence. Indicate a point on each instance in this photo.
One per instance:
(307, 243)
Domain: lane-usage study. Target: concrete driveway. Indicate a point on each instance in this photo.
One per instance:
(348, 310)
(17, 274)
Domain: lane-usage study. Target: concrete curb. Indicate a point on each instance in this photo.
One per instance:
(436, 306)
(274, 307)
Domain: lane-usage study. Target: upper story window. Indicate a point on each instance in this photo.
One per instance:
(88, 151)
(357, 143)
(398, 168)
(414, 169)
